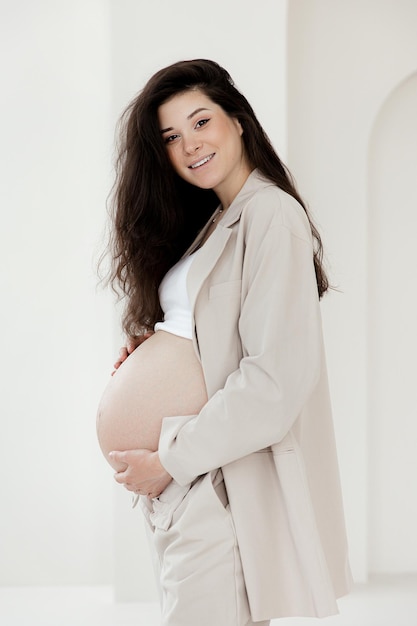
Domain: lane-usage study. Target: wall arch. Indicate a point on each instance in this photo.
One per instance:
(344, 58)
(392, 332)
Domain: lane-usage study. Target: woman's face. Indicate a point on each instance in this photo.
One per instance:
(204, 144)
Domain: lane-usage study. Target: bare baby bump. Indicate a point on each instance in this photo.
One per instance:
(162, 377)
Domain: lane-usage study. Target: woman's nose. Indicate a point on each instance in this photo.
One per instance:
(192, 146)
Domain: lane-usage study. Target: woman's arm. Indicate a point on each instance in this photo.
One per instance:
(280, 333)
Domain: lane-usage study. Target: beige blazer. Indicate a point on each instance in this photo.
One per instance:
(268, 421)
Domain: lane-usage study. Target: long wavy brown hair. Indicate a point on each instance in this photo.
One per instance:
(156, 214)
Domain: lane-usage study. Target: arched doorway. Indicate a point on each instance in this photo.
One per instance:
(393, 332)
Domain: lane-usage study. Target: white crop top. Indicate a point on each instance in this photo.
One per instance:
(174, 300)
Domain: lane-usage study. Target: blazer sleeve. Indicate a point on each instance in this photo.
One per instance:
(281, 337)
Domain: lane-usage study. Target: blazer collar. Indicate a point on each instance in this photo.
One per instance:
(253, 183)
(205, 260)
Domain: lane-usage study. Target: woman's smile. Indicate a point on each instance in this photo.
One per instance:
(201, 162)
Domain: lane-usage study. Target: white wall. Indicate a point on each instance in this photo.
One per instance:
(344, 60)
(56, 346)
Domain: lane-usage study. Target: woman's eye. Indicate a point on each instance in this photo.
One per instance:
(170, 139)
(201, 123)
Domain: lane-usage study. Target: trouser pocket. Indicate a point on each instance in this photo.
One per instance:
(164, 506)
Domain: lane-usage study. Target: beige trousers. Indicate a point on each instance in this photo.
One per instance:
(196, 556)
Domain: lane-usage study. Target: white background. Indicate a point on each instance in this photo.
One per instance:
(330, 82)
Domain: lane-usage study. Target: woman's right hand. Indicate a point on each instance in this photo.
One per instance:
(131, 344)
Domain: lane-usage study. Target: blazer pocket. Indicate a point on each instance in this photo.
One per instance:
(231, 288)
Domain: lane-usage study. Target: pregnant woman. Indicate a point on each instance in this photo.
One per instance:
(218, 415)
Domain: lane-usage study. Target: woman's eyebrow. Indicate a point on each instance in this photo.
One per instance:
(165, 130)
(197, 111)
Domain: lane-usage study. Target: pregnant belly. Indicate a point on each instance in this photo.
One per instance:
(162, 377)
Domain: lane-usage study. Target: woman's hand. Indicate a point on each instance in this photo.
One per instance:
(144, 474)
(131, 344)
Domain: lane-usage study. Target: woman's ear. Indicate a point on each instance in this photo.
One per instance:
(238, 125)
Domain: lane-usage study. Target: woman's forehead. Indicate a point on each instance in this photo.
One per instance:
(184, 105)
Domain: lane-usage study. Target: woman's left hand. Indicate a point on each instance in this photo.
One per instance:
(144, 473)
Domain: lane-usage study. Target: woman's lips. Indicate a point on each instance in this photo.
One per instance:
(201, 162)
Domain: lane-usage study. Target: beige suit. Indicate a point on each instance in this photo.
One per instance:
(268, 421)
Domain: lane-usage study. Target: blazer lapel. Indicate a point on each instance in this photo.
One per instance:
(209, 253)
(206, 258)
